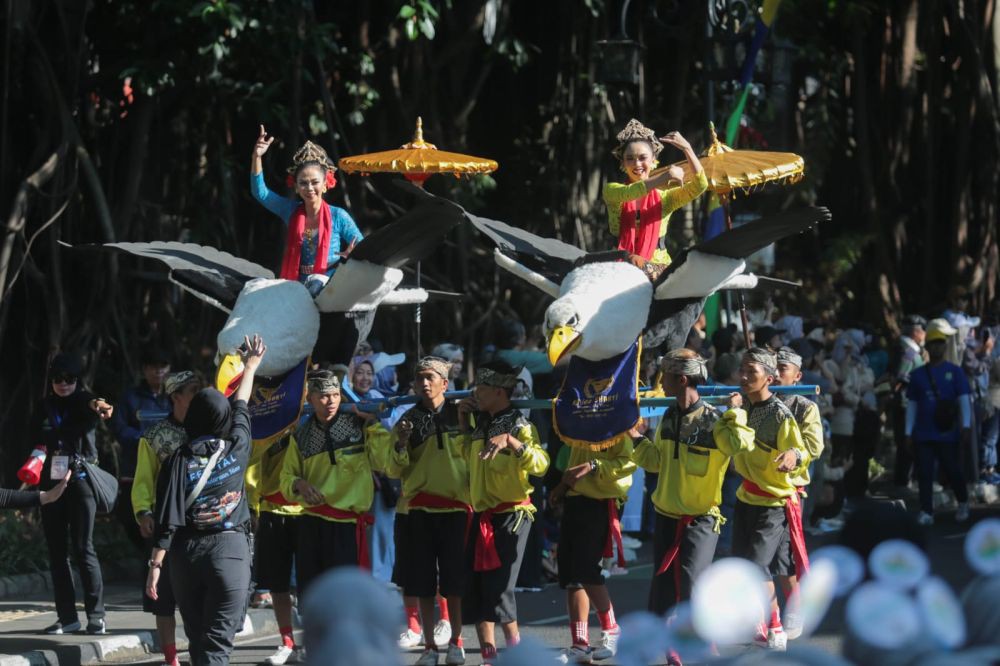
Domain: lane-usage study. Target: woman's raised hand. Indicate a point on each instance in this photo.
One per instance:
(675, 139)
(263, 143)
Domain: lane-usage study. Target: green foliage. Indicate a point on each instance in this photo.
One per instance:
(22, 544)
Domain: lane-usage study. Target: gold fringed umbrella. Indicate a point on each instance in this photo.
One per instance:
(417, 160)
(731, 170)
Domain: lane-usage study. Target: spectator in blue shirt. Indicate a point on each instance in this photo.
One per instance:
(938, 420)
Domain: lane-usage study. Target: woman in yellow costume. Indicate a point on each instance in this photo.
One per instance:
(639, 211)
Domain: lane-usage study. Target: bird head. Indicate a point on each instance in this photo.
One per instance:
(601, 310)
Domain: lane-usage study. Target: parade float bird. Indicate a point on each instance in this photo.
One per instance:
(284, 312)
(604, 303)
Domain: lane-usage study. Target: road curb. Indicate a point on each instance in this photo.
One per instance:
(128, 647)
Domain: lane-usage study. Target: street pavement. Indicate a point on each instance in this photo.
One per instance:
(542, 614)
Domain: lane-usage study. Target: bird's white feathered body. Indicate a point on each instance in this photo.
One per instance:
(283, 313)
(607, 303)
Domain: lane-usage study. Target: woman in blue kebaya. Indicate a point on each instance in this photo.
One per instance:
(319, 235)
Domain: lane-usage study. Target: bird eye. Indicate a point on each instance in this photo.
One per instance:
(573, 321)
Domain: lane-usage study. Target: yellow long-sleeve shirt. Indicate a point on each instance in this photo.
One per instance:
(613, 476)
(806, 413)
(338, 460)
(616, 195)
(268, 465)
(504, 478)
(433, 460)
(691, 452)
(774, 432)
(155, 446)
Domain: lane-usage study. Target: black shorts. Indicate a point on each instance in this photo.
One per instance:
(275, 551)
(696, 552)
(583, 534)
(166, 604)
(434, 545)
(758, 533)
(321, 545)
(402, 559)
(490, 594)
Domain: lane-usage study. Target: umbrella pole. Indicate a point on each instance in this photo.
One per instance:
(741, 299)
(417, 317)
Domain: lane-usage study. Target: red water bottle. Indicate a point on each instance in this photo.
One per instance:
(31, 472)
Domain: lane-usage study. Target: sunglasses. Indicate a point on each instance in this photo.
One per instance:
(63, 379)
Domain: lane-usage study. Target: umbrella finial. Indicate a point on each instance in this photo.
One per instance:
(418, 138)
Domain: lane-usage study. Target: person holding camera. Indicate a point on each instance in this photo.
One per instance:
(938, 421)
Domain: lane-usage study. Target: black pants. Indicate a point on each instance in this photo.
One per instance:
(321, 545)
(583, 535)
(211, 578)
(489, 596)
(867, 430)
(758, 532)
(904, 456)
(927, 454)
(69, 522)
(696, 552)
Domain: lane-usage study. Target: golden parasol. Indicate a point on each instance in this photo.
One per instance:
(730, 171)
(417, 160)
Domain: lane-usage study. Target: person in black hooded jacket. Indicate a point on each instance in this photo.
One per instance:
(203, 521)
(68, 430)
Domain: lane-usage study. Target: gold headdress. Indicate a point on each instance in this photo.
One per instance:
(310, 152)
(636, 131)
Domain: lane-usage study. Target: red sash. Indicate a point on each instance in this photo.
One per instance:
(793, 514)
(644, 240)
(671, 555)
(614, 533)
(486, 556)
(362, 520)
(430, 501)
(293, 242)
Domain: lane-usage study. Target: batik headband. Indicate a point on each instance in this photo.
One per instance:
(788, 355)
(677, 362)
(323, 381)
(178, 380)
(490, 377)
(764, 358)
(434, 364)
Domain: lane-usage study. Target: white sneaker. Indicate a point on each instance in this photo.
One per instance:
(793, 625)
(428, 658)
(455, 656)
(283, 655)
(776, 639)
(442, 632)
(631, 542)
(925, 519)
(410, 639)
(608, 646)
(577, 654)
(962, 514)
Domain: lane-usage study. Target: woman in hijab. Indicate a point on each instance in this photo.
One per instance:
(202, 518)
(69, 433)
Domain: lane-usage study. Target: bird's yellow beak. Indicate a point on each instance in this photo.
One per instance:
(229, 374)
(562, 341)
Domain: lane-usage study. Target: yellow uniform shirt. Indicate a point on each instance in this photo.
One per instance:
(504, 478)
(155, 446)
(270, 460)
(613, 476)
(433, 460)
(691, 452)
(338, 460)
(806, 413)
(774, 431)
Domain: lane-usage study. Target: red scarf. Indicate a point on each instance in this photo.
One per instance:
(793, 514)
(486, 556)
(644, 240)
(362, 522)
(614, 534)
(293, 242)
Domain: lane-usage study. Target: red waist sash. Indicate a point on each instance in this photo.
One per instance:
(614, 533)
(362, 520)
(793, 513)
(671, 555)
(486, 556)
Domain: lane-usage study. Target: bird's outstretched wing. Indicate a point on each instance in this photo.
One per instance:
(211, 275)
(708, 266)
(412, 236)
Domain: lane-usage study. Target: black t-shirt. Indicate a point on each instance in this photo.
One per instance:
(68, 427)
(222, 503)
